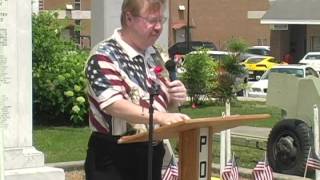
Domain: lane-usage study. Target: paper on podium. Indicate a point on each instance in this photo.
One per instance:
(217, 123)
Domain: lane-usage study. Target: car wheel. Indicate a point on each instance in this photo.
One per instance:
(288, 146)
(240, 93)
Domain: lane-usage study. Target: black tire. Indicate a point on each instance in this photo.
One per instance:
(288, 146)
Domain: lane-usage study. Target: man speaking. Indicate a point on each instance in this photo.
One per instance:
(120, 72)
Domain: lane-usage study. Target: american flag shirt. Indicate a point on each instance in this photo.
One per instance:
(116, 71)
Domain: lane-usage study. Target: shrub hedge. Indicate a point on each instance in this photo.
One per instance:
(58, 78)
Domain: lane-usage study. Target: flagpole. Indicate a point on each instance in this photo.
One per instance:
(225, 141)
(305, 169)
(222, 148)
(170, 162)
(228, 133)
(316, 135)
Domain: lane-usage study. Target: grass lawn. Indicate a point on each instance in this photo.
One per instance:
(242, 108)
(61, 144)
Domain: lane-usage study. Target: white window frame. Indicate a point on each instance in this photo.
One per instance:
(315, 43)
(77, 3)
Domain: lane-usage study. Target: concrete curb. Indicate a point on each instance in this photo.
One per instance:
(68, 166)
(244, 173)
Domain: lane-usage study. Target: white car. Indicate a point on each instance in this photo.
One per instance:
(260, 88)
(255, 51)
(259, 50)
(214, 54)
(312, 59)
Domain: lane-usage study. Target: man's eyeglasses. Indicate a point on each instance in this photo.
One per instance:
(154, 20)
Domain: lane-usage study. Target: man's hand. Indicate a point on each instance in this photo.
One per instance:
(177, 92)
(164, 118)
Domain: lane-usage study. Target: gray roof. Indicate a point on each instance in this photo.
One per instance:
(293, 12)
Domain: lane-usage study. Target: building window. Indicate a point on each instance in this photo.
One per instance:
(315, 43)
(41, 4)
(77, 4)
(77, 31)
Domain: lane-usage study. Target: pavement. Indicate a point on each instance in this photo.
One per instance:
(249, 132)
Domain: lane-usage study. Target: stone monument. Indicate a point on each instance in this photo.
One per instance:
(20, 159)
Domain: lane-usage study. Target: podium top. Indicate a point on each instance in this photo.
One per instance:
(216, 123)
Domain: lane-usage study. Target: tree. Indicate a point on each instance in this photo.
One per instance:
(230, 72)
(199, 73)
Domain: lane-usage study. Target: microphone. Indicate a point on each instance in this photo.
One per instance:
(171, 66)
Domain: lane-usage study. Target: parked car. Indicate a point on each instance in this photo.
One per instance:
(181, 47)
(312, 59)
(259, 50)
(255, 51)
(217, 55)
(260, 87)
(257, 65)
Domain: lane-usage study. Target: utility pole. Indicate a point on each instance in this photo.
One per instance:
(188, 27)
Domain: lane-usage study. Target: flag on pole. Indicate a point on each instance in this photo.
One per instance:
(262, 171)
(231, 171)
(313, 161)
(171, 172)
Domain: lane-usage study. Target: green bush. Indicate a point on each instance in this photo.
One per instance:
(229, 69)
(58, 78)
(199, 75)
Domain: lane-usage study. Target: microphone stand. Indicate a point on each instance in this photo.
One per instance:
(154, 90)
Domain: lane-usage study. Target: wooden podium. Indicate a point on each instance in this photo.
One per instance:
(195, 141)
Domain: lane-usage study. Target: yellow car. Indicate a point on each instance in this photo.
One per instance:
(256, 66)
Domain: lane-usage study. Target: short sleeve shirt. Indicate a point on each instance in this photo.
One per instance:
(116, 71)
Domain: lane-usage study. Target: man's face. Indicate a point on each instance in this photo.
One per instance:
(147, 27)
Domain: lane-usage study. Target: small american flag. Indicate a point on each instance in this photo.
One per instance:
(230, 172)
(312, 161)
(171, 172)
(262, 171)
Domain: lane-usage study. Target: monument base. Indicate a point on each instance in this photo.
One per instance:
(22, 157)
(27, 163)
(40, 173)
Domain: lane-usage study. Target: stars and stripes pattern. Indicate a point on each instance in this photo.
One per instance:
(171, 172)
(231, 171)
(112, 75)
(262, 171)
(312, 161)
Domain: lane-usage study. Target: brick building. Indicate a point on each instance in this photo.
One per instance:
(216, 21)
(296, 25)
(255, 21)
(220, 20)
(79, 13)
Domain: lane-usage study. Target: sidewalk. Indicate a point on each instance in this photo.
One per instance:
(251, 133)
